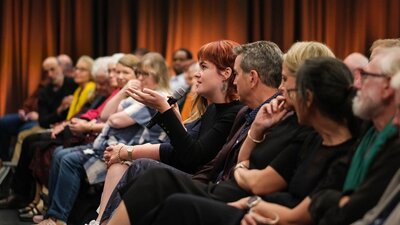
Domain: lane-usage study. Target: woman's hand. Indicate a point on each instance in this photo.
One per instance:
(132, 84)
(149, 98)
(268, 116)
(79, 126)
(111, 154)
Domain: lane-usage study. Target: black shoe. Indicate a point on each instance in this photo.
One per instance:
(12, 202)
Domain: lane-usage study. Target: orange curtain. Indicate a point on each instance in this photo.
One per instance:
(34, 29)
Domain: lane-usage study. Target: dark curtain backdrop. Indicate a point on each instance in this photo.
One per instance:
(34, 29)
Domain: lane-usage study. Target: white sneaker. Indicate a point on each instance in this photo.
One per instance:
(93, 222)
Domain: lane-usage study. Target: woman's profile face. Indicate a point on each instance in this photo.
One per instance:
(82, 73)
(124, 74)
(208, 80)
(288, 87)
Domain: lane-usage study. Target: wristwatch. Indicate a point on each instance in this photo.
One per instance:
(129, 149)
(253, 201)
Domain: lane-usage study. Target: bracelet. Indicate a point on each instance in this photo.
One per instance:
(253, 139)
(119, 155)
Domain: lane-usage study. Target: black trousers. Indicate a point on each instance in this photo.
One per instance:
(156, 185)
(193, 210)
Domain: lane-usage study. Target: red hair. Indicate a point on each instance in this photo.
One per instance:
(221, 54)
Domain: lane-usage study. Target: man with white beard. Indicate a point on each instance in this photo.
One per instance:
(377, 156)
(387, 212)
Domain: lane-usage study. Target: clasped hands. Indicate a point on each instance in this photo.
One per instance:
(112, 154)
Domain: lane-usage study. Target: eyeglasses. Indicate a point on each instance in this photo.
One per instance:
(365, 74)
(80, 69)
(140, 72)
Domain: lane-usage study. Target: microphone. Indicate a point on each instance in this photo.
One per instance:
(178, 94)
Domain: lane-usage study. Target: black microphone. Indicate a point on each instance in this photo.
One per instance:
(178, 94)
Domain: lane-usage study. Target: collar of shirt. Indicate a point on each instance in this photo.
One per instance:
(251, 113)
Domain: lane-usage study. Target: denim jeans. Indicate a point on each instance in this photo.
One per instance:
(11, 125)
(65, 178)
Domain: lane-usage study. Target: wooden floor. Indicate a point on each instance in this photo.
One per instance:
(10, 217)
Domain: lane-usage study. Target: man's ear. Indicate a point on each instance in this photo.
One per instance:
(254, 78)
(387, 91)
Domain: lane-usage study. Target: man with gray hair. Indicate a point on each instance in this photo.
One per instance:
(377, 156)
(387, 211)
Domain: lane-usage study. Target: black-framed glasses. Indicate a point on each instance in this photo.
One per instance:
(365, 74)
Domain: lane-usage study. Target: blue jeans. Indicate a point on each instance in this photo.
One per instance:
(65, 180)
(11, 125)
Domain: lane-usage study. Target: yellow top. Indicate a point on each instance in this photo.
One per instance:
(80, 98)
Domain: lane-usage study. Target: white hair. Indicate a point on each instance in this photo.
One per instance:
(116, 57)
(100, 66)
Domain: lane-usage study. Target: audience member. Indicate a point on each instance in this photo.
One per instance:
(66, 64)
(180, 56)
(387, 211)
(53, 104)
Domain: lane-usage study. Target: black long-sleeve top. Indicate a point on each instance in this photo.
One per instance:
(190, 152)
(49, 100)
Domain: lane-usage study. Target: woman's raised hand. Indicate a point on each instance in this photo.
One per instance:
(150, 98)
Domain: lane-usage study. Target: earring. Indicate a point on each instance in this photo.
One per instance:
(224, 87)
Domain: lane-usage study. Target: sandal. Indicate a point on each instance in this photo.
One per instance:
(28, 216)
(27, 208)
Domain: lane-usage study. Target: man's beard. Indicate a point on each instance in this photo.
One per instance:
(366, 107)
